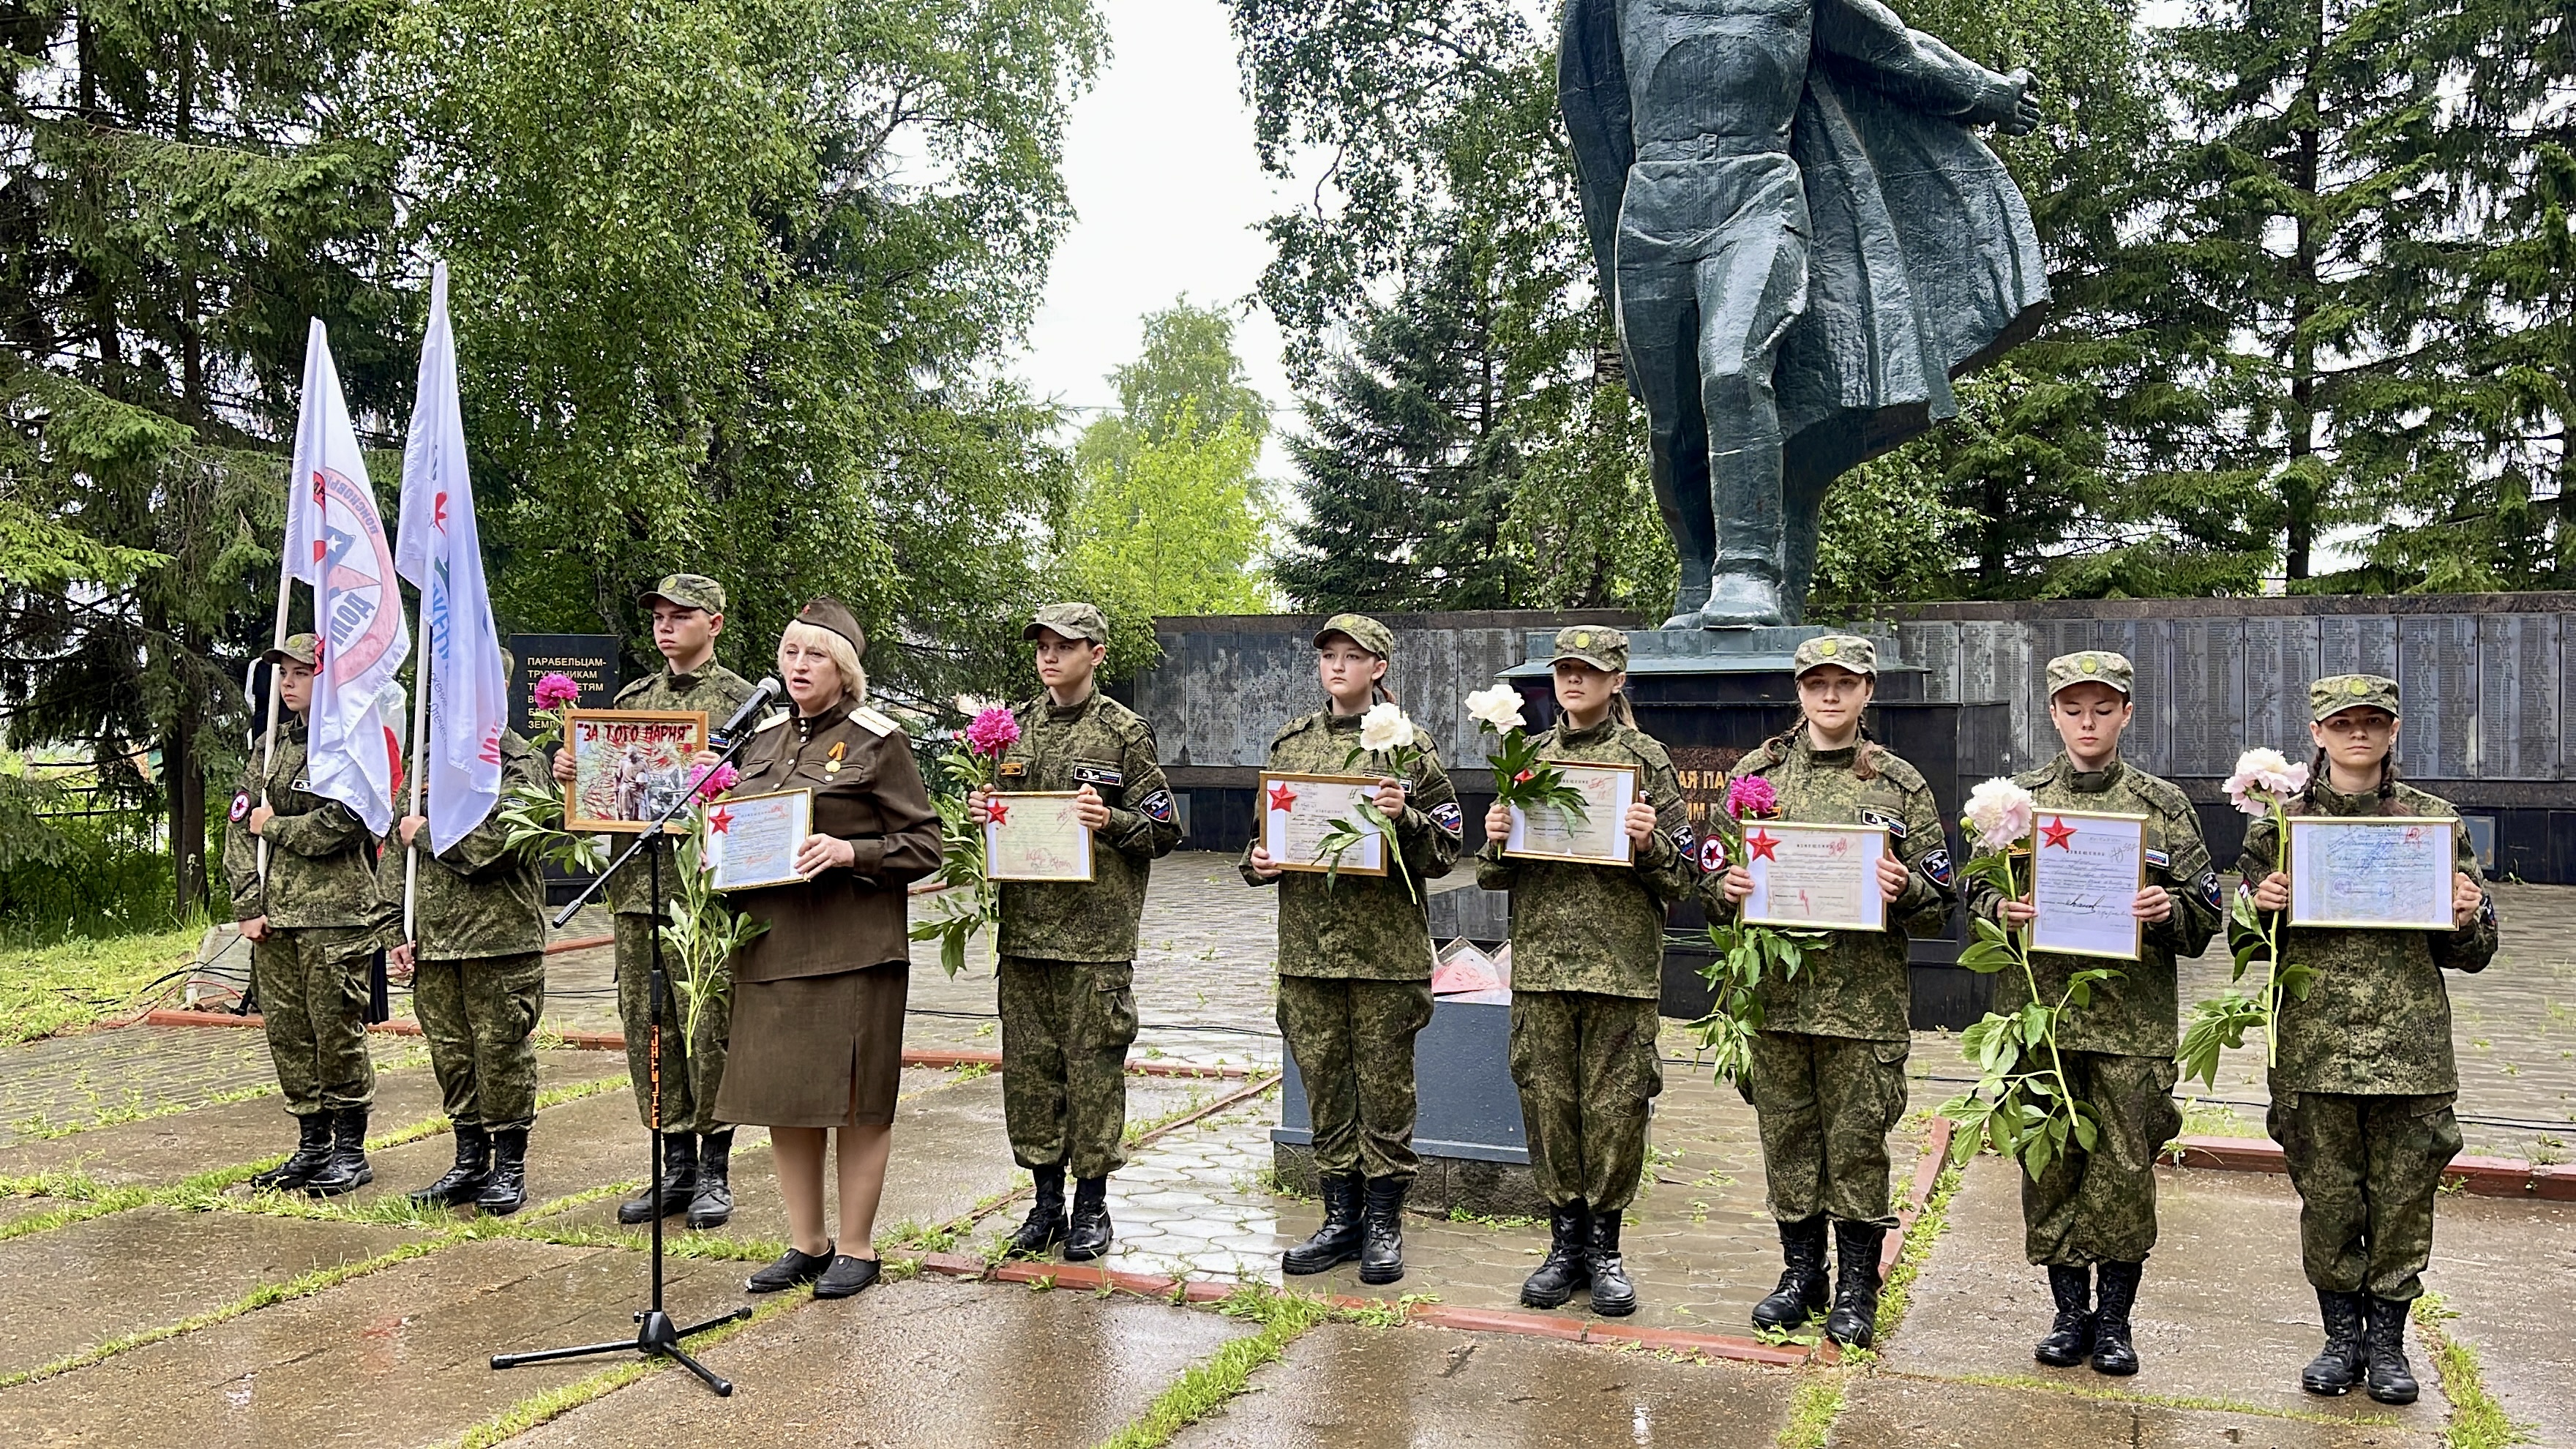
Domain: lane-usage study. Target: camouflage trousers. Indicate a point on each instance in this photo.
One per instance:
(1826, 1105)
(1353, 1041)
(2100, 1206)
(1588, 1074)
(2366, 1168)
(480, 1017)
(693, 1062)
(1066, 1027)
(312, 983)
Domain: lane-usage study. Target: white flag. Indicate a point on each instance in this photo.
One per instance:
(336, 542)
(441, 552)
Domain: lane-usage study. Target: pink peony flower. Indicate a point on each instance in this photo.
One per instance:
(1751, 797)
(1999, 815)
(993, 731)
(2263, 779)
(708, 787)
(557, 690)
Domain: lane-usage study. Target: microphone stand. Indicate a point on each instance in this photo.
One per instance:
(655, 1335)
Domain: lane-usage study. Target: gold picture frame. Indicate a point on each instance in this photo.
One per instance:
(624, 763)
(1626, 786)
(1286, 830)
(2042, 824)
(1080, 847)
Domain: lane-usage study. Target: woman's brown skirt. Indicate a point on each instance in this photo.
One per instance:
(816, 1051)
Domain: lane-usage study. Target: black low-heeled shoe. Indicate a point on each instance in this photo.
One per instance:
(846, 1277)
(790, 1271)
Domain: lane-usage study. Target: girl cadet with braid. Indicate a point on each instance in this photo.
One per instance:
(1587, 979)
(1828, 1074)
(1355, 965)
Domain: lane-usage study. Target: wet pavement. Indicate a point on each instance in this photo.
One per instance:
(396, 1355)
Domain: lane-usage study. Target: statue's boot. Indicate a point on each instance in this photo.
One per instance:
(1742, 599)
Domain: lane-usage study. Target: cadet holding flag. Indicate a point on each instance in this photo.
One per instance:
(1587, 979)
(1067, 951)
(2093, 1214)
(1355, 964)
(1828, 1074)
(2362, 1093)
(688, 614)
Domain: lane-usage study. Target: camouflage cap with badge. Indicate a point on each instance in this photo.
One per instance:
(1070, 621)
(1362, 630)
(2090, 666)
(301, 649)
(689, 591)
(1603, 648)
(1843, 651)
(2336, 693)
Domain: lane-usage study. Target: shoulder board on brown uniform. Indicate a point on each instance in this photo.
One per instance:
(868, 718)
(775, 718)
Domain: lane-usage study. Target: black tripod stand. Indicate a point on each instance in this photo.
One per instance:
(655, 1335)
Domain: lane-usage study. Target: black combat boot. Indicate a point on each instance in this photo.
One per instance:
(1804, 1288)
(1382, 1231)
(712, 1205)
(2113, 1353)
(1854, 1320)
(347, 1171)
(312, 1149)
(508, 1189)
(1045, 1226)
(679, 1183)
(1613, 1296)
(1087, 1232)
(2337, 1366)
(2391, 1379)
(2070, 1338)
(1568, 1264)
(465, 1179)
(1338, 1240)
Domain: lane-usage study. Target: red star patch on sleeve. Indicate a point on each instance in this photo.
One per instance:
(2057, 833)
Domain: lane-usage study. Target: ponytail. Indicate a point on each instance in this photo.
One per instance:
(1620, 711)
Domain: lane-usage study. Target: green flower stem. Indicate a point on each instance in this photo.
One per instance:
(2030, 977)
(2270, 925)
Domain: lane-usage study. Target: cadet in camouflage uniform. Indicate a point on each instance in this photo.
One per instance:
(2362, 1094)
(1828, 1071)
(1355, 965)
(478, 974)
(1067, 951)
(688, 614)
(2099, 1207)
(1587, 979)
(301, 919)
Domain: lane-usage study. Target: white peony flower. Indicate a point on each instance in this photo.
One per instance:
(1999, 814)
(1385, 728)
(2263, 777)
(1498, 707)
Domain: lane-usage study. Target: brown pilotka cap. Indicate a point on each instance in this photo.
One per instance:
(830, 613)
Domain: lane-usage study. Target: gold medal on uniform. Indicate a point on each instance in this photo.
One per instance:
(832, 761)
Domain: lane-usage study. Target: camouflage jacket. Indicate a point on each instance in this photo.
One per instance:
(1106, 745)
(1857, 983)
(1363, 927)
(718, 691)
(475, 898)
(2376, 1019)
(319, 870)
(1599, 928)
(2133, 1016)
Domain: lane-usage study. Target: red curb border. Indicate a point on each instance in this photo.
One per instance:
(2484, 1176)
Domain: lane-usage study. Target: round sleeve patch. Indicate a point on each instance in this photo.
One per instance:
(241, 805)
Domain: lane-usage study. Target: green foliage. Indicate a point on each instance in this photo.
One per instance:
(2023, 1105)
(76, 982)
(703, 932)
(1745, 954)
(2222, 1023)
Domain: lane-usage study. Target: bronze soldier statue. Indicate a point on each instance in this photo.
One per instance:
(1802, 244)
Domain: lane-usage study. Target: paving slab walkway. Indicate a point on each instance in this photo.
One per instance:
(1887, 1411)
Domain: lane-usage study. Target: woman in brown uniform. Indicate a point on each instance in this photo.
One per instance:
(818, 997)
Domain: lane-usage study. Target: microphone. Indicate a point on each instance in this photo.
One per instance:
(762, 696)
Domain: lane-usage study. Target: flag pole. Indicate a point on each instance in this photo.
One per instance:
(276, 675)
(419, 722)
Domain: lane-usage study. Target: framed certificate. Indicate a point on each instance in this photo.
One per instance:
(1814, 877)
(2086, 870)
(629, 765)
(754, 838)
(1036, 835)
(1298, 811)
(1599, 838)
(2372, 872)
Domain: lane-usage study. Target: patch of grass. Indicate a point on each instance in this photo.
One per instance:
(265, 1295)
(2172, 1401)
(2477, 1420)
(100, 1206)
(1206, 1386)
(76, 983)
(530, 1412)
(1898, 1292)
(1502, 1221)
(969, 1071)
(133, 1109)
(1812, 1411)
